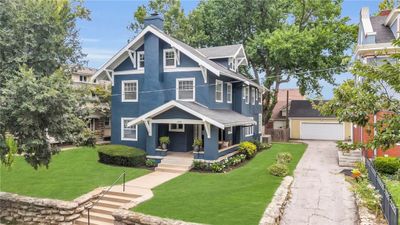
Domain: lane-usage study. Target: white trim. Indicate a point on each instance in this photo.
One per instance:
(366, 22)
(170, 105)
(229, 93)
(253, 95)
(247, 94)
(122, 129)
(129, 72)
(260, 123)
(229, 130)
(138, 60)
(177, 127)
(148, 124)
(123, 90)
(249, 131)
(177, 120)
(207, 128)
(110, 76)
(219, 82)
(182, 69)
(165, 51)
(177, 88)
(132, 56)
(204, 73)
(391, 17)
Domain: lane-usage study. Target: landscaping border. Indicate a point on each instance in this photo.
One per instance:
(274, 211)
(127, 217)
(29, 210)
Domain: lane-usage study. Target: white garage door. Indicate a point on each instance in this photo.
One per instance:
(322, 131)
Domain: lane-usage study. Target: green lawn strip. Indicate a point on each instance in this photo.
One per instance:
(394, 189)
(71, 174)
(237, 197)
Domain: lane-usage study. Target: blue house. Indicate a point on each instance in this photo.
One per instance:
(164, 87)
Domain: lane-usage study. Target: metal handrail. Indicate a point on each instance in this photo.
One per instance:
(105, 192)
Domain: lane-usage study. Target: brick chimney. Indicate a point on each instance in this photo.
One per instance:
(385, 12)
(154, 19)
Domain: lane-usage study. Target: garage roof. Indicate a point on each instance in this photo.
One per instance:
(303, 108)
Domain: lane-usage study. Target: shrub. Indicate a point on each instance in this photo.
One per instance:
(278, 169)
(121, 155)
(387, 165)
(217, 167)
(284, 157)
(370, 197)
(151, 163)
(86, 138)
(248, 148)
(164, 140)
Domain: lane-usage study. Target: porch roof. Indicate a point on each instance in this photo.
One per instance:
(221, 118)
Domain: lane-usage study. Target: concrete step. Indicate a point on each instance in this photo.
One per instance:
(83, 221)
(102, 209)
(108, 204)
(116, 198)
(123, 194)
(168, 165)
(177, 161)
(99, 217)
(170, 170)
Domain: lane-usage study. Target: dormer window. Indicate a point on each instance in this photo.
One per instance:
(140, 60)
(169, 58)
(232, 64)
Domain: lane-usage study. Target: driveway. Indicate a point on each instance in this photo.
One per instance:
(320, 195)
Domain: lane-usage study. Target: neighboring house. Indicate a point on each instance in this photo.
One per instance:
(375, 37)
(164, 87)
(99, 121)
(278, 117)
(305, 122)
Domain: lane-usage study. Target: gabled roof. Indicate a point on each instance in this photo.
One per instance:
(180, 46)
(294, 94)
(383, 33)
(303, 108)
(221, 118)
(226, 51)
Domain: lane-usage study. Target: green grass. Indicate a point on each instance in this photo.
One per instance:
(394, 189)
(70, 174)
(237, 197)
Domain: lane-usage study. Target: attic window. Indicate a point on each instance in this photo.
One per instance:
(140, 60)
(169, 58)
(232, 64)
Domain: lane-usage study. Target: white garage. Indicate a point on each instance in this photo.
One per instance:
(322, 131)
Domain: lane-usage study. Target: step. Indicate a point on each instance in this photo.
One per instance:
(102, 209)
(116, 198)
(83, 221)
(170, 170)
(99, 217)
(169, 165)
(123, 194)
(109, 204)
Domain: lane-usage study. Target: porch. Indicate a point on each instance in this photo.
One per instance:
(219, 129)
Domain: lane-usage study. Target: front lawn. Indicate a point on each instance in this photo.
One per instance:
(394, 189)
(237, 197)
(71, 174)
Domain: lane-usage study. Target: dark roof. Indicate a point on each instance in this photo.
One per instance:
(303, 108)
(383, 33)
(220, 51)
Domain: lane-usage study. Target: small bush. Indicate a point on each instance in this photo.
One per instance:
(121, 155)
(151, 163)
(278, 169)
(370, 197)
(248, 148)
(217, 167)
(284, 157)
(86, 138)
(387, 165)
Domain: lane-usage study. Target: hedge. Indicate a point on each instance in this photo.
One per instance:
(121, 155)
(387, 165)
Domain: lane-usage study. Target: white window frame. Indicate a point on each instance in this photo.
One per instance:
(139, 53)
(249, 131)
(165, 51)
(229, 129)
(253, 95)
(123, 128)
(229, 92)
(219, 82)
(123, 91)
(177, 129)
(260, 123)
(259, 97)
(177, 89)
(247, 94)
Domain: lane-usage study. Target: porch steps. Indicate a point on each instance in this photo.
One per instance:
(176, 163)
(101, 213)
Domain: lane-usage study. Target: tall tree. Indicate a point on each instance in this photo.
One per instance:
(39, 43)
(387, 4)
(283, 39)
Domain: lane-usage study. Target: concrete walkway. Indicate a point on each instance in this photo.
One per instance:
(320, 194)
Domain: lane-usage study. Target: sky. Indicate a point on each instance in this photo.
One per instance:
(106, 33)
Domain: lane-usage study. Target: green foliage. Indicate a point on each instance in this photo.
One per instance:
(347, 147)
(197, 142)
(387, 165)
(284, 157)
(151, 163)
(370, 197)
(248, 148)
(86, 138)
(8, 150)
(387, 4)
(164, 140)
(121, 155)
(217, 167)
(101, 103)
(278, 169)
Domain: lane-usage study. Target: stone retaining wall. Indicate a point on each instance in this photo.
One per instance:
(28, 210)
(127, 217)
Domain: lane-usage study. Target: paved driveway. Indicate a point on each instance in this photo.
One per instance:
(320, 195)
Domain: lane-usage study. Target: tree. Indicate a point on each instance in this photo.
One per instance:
(358, 102)
(283, 39)
(39, 49)
(387, 4)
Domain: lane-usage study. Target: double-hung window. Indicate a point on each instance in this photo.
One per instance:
(82, 78)
(246, 94)
(140, 60)
(229, 92)
(130, 90)
(248, 131)
(128, 133)
(260, 123)
(185, 89)
(253, 96)
(219, 91)
(169, 58)
(176, 127)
